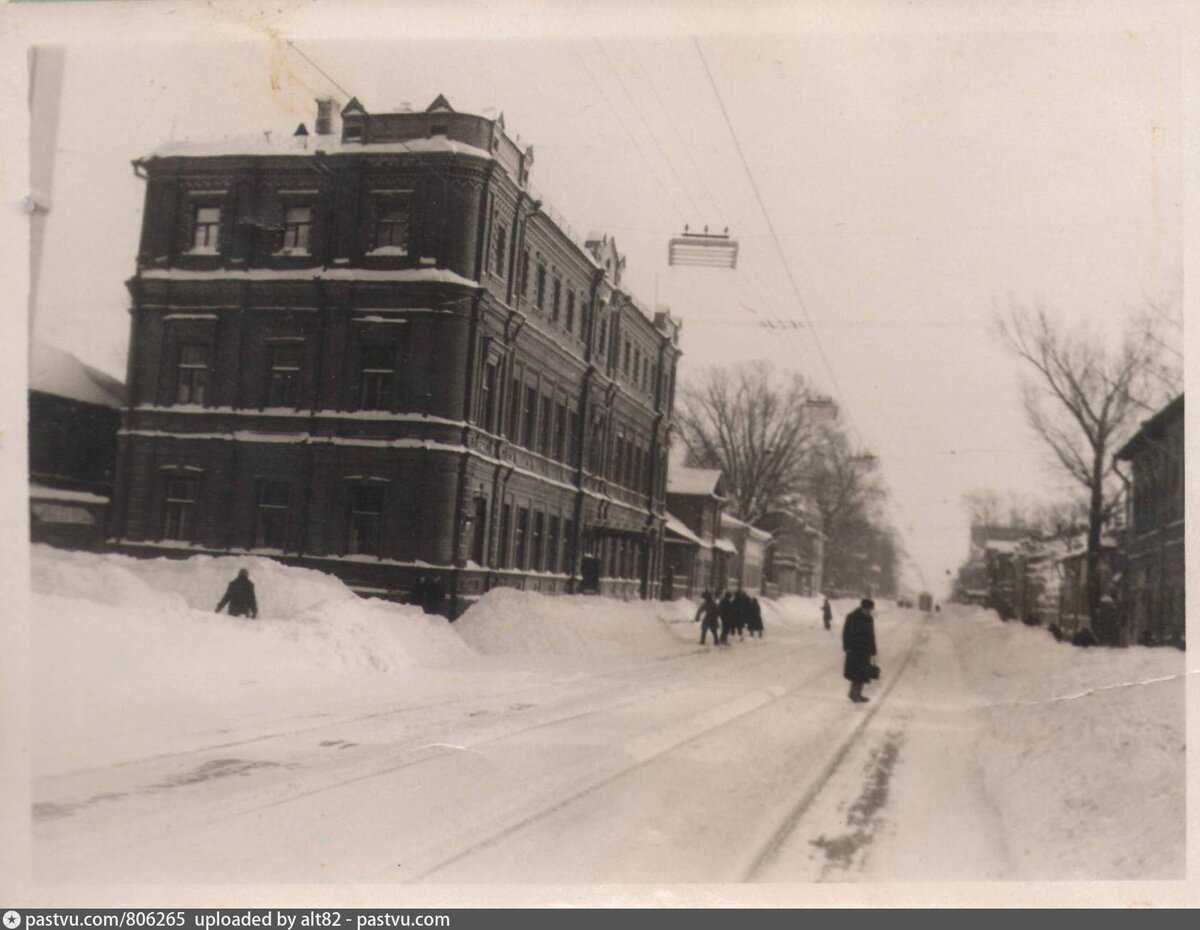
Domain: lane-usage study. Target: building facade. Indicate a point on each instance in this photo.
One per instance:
(746, 565)
(1153, 590)
(795, 559)
(74, 414)
(372, 350)
(696, 499)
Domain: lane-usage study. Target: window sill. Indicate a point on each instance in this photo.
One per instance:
(388, 251)
(293, 253)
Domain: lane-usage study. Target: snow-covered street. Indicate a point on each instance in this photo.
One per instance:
(575, 740)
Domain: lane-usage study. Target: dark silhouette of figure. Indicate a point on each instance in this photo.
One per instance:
(741, 612)
(726, 611)
(756, 622)
(858, 640)
(239, 596)
(827, 614)
(707, 616)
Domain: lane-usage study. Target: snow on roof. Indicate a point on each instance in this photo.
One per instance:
(682, 480)
(41, 492)
(725, 546)
(679, 528)
(287, 145)
(55, 371)
(1003, 545)
(728, 519)
(428, 275)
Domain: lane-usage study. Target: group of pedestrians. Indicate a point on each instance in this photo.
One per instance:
(737, 613)
(734, 613)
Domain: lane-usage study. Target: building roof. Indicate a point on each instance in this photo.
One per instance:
(1151, 427)
(725, 545)
(694, 481)
(730, 522)
(680, 529)
(55, 371)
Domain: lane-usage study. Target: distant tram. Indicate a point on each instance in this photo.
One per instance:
(925, 601)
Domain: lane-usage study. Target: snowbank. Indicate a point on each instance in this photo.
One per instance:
(1083, 751)
(506, 622)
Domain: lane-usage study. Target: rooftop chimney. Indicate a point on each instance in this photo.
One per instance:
(324, 124)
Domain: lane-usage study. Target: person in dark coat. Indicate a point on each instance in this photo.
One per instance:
(240, 597)
(726, 610)
(707, 616)
(756, 623)
(827, 614)
(741, 612)
(858, 640)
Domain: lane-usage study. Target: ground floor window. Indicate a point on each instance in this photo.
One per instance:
(271, 511)
(179, 508)
(366, 519)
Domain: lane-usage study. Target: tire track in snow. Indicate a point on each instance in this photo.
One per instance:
(769, 849)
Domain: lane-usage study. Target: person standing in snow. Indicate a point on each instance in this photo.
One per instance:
(741, 612)
(827, 614)
(706, 616)
(756, 621)
(858, 640)
(240, 597)
(726, 611)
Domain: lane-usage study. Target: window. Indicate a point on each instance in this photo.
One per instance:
(568, 546)
(625, 362)
(536, 557)
(179, 508)
(540, 297)
(366, 519)
(297, 222)
(556, 300)
(487, 404)
(521, 535)
(270, 525)
(377, 378)
(438, 129)
(501, 253)
(530, 417)
(514, 409)
(206, 229)
(552, 546)
(603, 333)
(191, 380)
(283, 388)
(570, 311)
(547, 434)
(391, 227)
(560, 432)
(525, 272)
(573, 439)
(505, 527)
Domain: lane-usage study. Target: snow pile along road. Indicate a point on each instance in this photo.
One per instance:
(1083, 752)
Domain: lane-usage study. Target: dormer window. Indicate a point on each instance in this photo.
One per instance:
(206, 229)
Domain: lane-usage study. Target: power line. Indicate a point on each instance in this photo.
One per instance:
(774, 235)
(295, 48)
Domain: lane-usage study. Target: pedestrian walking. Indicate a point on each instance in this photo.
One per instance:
(827, 614)
(858, 640)
(756, 621)
(741, 612)
(707, 617)
(725, 611)
(239, 597)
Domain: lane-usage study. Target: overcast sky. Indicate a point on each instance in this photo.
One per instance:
(915, 180)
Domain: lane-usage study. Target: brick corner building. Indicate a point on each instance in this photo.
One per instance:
(373, 351)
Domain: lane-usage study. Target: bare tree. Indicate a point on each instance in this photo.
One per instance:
(1082, 399)
(755, 427)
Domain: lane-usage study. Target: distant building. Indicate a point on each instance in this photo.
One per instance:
(1074, 615)
(374, 351)
(696, 498)
(795, 558)
(1154, 582)
(747, 564)
(74, 414)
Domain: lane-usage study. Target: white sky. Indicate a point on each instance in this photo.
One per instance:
(915, 177)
